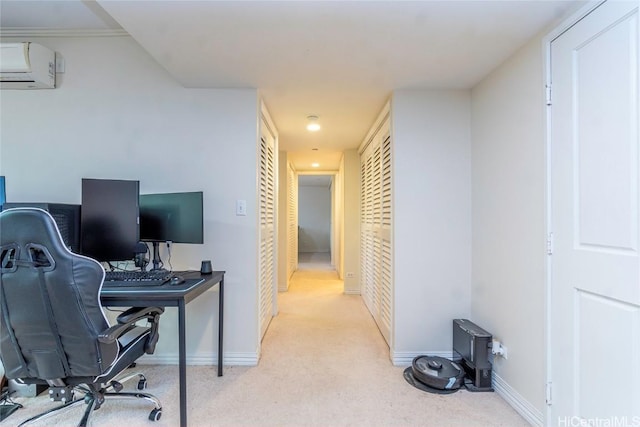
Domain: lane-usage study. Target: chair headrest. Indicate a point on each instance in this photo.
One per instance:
(31, 235)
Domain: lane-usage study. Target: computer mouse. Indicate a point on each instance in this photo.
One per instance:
(176, 280)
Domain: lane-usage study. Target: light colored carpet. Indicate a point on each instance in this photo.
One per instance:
(314, 261)
(324, 363)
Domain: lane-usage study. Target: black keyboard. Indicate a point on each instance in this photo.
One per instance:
(141, 277)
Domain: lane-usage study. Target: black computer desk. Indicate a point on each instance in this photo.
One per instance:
(172, 296)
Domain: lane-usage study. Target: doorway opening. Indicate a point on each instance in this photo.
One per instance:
(315, 222)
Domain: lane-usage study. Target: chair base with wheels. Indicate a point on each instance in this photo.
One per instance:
(94, 398)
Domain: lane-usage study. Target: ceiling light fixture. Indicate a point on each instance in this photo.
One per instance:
(313, 125)
(315, 165)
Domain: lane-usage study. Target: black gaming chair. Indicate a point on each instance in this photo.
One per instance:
(53, 330)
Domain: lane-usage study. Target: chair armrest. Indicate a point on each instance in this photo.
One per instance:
(111, 335)
(128, 319)
(134, 314)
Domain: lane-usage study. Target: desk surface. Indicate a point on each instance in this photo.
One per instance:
(195, 284)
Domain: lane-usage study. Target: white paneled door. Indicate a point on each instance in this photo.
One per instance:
(595, 265)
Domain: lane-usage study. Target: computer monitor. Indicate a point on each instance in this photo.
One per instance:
(175, 217)
(171, 217)
(3, 192)
(109, 219)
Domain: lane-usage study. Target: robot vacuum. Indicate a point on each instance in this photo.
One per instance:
(435, 374)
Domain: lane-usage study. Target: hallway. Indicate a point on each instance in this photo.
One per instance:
(333, 366)
(314, 261)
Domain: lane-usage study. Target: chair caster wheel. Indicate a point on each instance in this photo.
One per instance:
(117, 387)
(155, 414)
(142, 384)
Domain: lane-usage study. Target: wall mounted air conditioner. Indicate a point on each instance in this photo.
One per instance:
(27, 66)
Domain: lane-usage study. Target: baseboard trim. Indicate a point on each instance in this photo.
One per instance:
(352, 291)
(404, 358)
(230, 359)
(521, 405)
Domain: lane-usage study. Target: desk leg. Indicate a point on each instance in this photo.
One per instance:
(220, 328)
(182, 362)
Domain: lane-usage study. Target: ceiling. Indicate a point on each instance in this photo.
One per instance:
(338, 60)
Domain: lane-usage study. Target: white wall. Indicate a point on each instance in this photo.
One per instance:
(314, 218)
(431, 218)
(337, 221)
(351, 255)
(508, 272)
(118, 114)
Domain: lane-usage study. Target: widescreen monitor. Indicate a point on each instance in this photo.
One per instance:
(171, 217)
(109, 219)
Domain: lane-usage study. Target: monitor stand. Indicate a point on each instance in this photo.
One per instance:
(157, 262)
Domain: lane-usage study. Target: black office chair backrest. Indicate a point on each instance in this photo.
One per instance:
(49, 302)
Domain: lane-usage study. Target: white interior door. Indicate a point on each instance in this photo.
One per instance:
(595, 267)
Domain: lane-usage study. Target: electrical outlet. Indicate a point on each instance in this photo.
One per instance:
(498, 349)
(351, 275)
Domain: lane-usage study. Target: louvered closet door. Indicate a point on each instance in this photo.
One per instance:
(375, 236)
(376, 197)
(292, 222)
(267, 230)
(366, 233)
(385, 240)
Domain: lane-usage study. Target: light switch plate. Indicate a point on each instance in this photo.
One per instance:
(241, 207)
